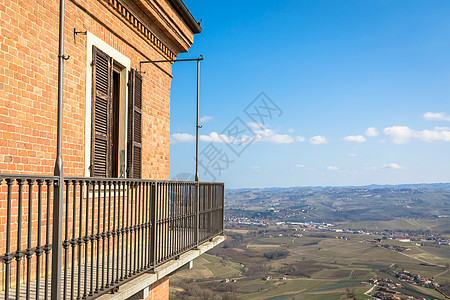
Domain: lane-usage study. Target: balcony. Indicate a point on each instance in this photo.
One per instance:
(118, 235)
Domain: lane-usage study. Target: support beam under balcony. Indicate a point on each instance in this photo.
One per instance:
(136, 285)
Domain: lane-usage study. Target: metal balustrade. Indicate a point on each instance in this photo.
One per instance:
(113, 230)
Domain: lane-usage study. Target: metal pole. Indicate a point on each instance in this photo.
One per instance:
(197, 127)
(59, 187)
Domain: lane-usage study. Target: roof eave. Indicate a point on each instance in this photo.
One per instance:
(186, 15)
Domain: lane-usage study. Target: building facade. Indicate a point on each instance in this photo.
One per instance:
(116, 119)
(106, 40)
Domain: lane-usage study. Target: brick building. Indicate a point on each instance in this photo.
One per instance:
(119, 34)
(116, 119)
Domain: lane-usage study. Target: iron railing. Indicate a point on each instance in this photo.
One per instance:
(113, 231)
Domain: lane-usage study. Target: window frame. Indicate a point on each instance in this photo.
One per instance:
(124, 63)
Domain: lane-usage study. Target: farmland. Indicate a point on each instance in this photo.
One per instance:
(332, 266)
(327, 243)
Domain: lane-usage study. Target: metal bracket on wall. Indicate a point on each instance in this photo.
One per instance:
(75, 33)
(197, 127)
(166, 60)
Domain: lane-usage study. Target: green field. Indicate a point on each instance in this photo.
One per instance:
(438, 225)
(329, 267)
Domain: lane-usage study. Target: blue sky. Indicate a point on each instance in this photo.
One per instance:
(333, 69)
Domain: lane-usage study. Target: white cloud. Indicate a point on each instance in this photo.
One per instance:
(255, 125)
(214, 137)
(270, 136)
(393, 166)
(300, 166)
(205, 119)
(355, 138)
(352, 155)
(265, 134)
(332, 168)
(434, 135)
(431, 116)
(402, 134)
(300, 138)
(371, 131)
(317, 140)
(182, 138)
(399, 134)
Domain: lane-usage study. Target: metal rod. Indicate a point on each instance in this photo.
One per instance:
(73, 241)
(18, 255)
(127, 230)
(153, 216)
(132, 229)
(155, 225)
(168, 60)
(119, 233)
(114, 233)
(66, 240)
(136, 229)
(29, 251)
(58, 194)
(8, 255)
(80, 240)
(98, 236)
(92, 239)
(39, 249)
(108, 234)
(47, 247)
(103, 235)
(123, 230)
(197, 127)
(139, 243)
(86, 241)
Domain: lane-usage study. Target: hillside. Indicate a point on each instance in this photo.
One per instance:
(341, 204)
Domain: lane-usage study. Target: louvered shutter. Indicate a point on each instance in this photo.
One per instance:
(101, 113)
(134, 159)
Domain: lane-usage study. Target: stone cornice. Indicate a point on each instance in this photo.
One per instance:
(137, 25)
(168, 21)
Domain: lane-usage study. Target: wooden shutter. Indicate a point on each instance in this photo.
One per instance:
(134, 159)
(101, 113)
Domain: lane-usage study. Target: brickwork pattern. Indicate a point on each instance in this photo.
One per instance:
(28, 85)
(28, 93)
(159, 290)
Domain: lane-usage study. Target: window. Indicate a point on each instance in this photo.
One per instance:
(134, 157)
(107, 159)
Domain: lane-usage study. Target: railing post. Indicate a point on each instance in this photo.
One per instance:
(154, 225)
(197, 212)
(57, 238)
(223, 206)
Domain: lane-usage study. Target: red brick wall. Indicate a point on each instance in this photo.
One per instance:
(28, 85)
(159, 290)
(28, 90)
